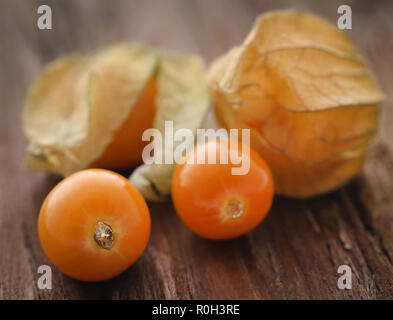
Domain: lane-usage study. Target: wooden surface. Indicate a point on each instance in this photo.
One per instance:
(294, 254)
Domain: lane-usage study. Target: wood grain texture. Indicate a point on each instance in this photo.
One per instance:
(294, 254)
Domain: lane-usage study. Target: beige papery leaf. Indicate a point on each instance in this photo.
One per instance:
(305, 92)
(182, 98)
(78, 103)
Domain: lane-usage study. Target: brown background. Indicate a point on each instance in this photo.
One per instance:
(294, 254)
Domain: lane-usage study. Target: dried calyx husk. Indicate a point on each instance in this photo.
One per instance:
(79, 102)
(184, 100)
(307, 96)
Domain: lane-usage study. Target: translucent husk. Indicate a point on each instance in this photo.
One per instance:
(183, 98)
(310, 101)
(78, 102)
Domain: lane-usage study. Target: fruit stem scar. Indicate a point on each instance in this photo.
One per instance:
(235, 209)
(104, 235)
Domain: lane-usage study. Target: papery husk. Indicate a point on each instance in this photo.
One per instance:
(308, 97)
(183, 98)
(78, 102)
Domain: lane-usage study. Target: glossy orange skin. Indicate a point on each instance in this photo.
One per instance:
(201, 193)
(125, 149)
(69, 217)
